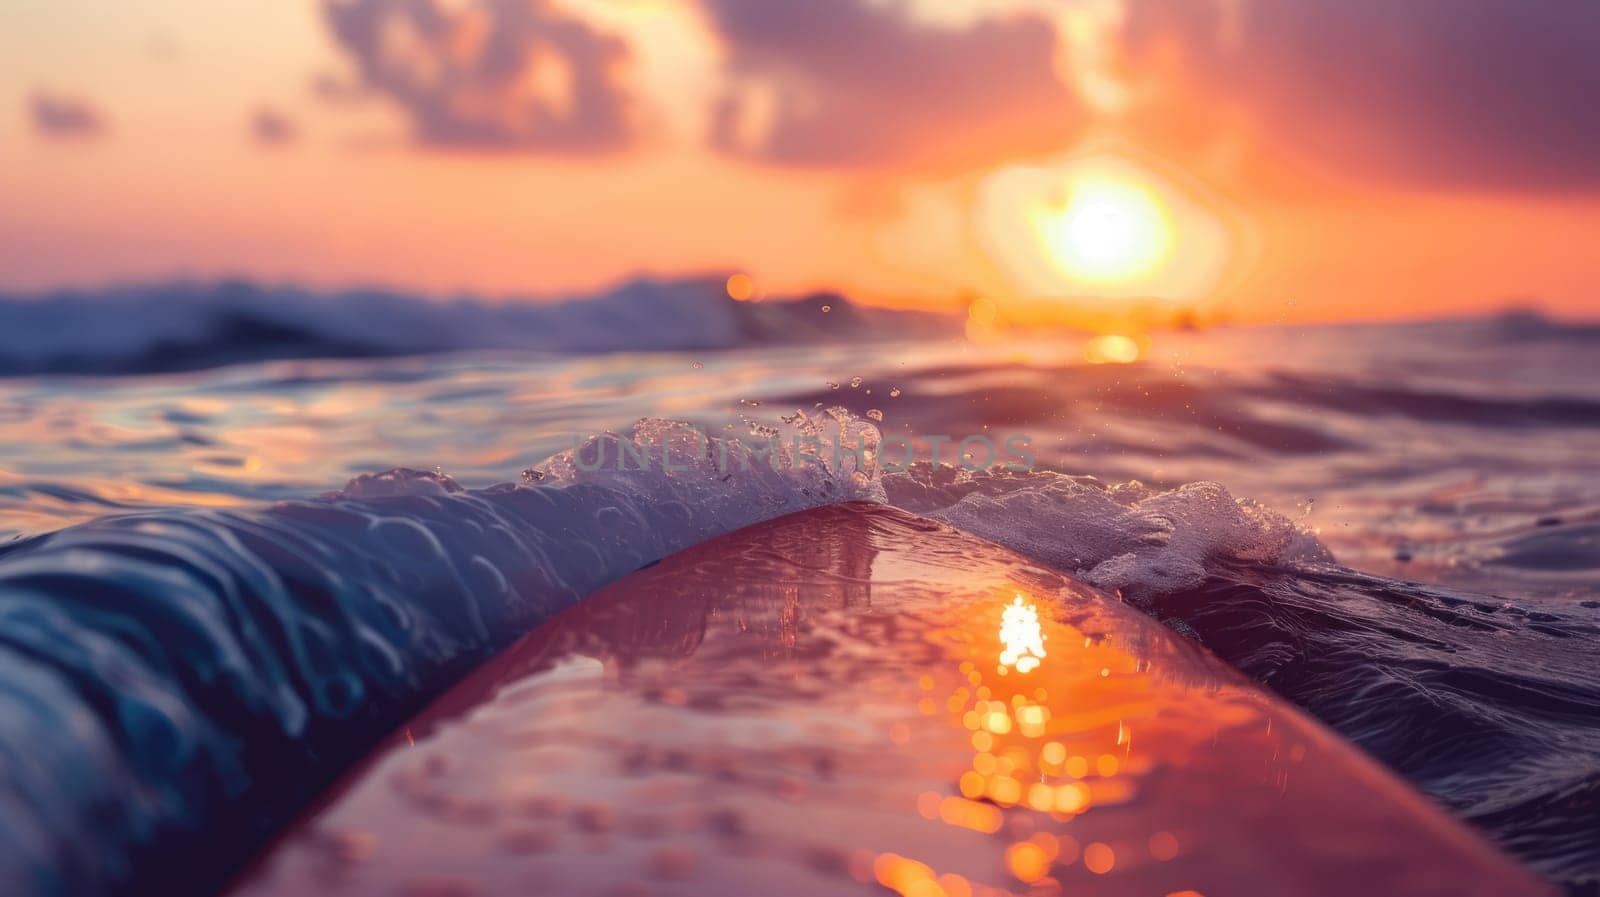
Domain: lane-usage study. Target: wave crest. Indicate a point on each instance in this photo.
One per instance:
(193, 677)
(1131, 538)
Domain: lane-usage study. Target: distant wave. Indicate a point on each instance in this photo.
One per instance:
(184, 326)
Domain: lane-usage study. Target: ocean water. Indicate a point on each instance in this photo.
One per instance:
(212, 594)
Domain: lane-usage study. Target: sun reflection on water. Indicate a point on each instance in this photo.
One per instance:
(1022, 637)
(1034, 766)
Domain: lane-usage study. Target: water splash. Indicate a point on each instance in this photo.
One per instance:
(1129, 537)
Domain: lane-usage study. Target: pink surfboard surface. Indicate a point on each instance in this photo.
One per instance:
(857, 701)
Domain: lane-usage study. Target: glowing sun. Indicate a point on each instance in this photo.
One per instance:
(1107, 231)
(1092, 230)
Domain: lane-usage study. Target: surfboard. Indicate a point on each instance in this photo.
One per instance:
(854, 700)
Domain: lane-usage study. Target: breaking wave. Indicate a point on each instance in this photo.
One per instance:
(183, 326)
(200, 674)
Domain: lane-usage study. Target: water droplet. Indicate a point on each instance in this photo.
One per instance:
(826, 309)
(855, 382)
(875, 414)
(698, 365)
(832, 385)
(894, 393)
(751, 402)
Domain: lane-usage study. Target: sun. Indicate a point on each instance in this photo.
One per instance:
(1103, 231)
(1108, 231)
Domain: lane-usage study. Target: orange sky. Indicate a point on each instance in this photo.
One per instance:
(1303, 166)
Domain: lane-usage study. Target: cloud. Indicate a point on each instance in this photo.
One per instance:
(1455, 93)
(860, 83)
(1450, 92)
(503, 74)
(63, 117)
(272, 128)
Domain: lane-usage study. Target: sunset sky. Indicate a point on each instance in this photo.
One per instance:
(1263, 160)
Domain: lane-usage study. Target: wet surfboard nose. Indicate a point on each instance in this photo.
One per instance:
(855, 700)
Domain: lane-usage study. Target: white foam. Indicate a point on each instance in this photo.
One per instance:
(1131, 538)
(686, 485)
(722, 482)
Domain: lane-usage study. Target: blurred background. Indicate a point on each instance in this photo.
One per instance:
(1067, 160)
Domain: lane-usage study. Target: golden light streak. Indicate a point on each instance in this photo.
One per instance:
(1111, 348)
